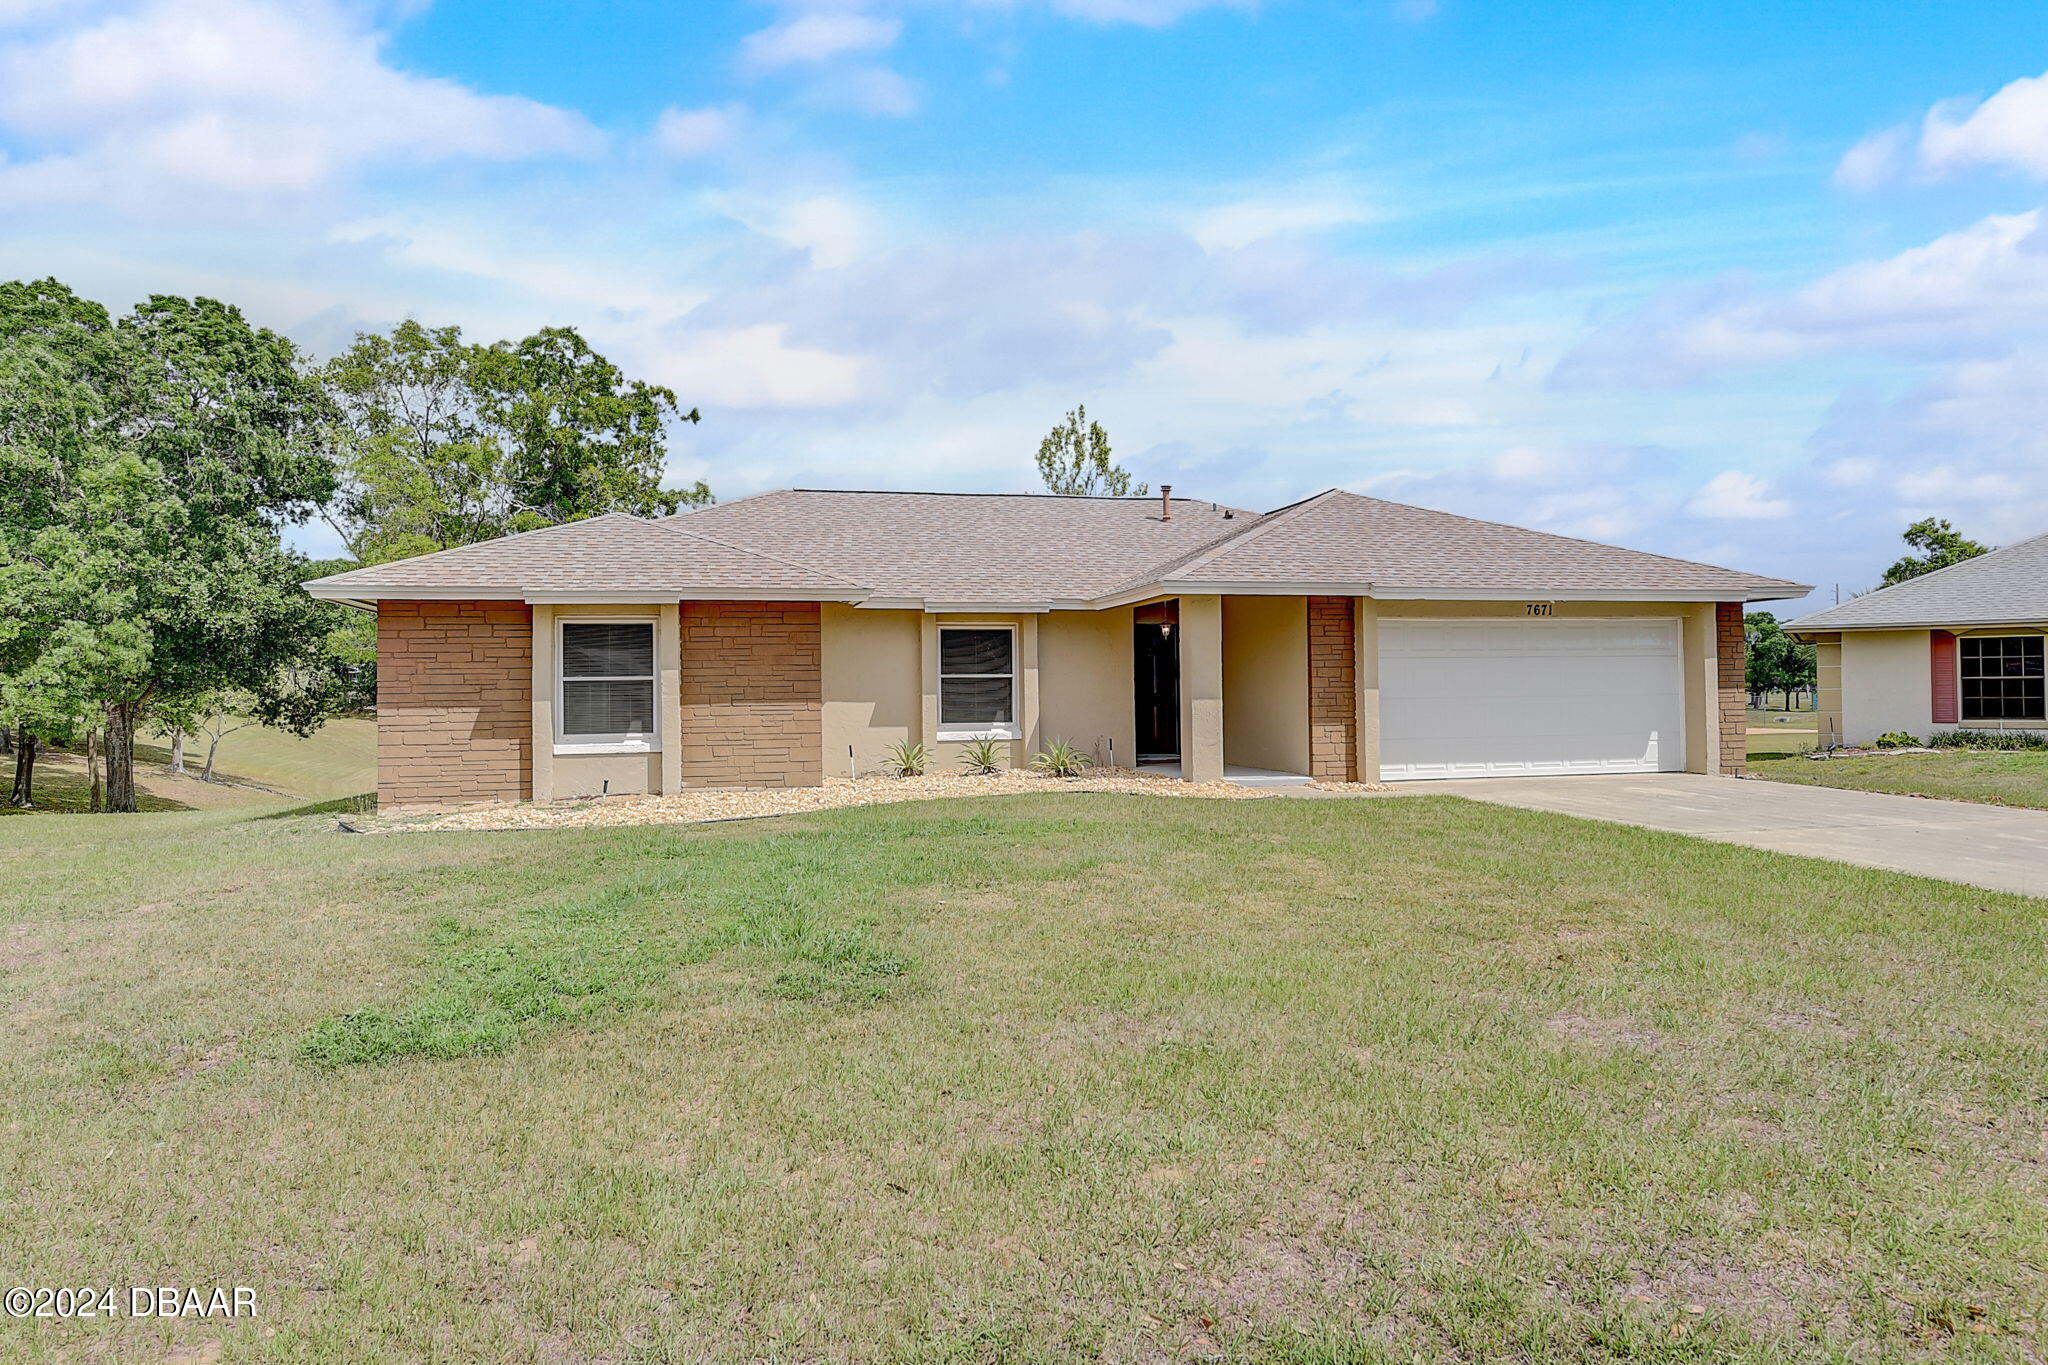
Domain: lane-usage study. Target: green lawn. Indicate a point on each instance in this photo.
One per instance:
(1038, 1079)
(2017, 778)
(256, 766)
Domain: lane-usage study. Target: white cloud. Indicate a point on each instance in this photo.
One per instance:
(1738, 495)
(1970, 290)
(831, 229)
(2010, 129)
(1875, 160)
(698, 132)
(185, 99)
(1146, 13)
(1251, 220)
(755, 367)
(868, 90)
(817, 36)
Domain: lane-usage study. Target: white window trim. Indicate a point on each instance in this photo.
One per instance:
(1014, 729)
(628, 743)
(2002, 722)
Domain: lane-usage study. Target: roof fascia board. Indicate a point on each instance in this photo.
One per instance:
(1946, 623)
(358, 596)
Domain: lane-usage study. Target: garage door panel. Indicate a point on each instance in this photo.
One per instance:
(1501, 698)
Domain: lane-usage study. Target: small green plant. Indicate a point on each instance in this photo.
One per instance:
(985, 757)
(907, 759)
(1061, 759)
(1988, 739)
(1898, 739)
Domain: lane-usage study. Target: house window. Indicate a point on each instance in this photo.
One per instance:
(978, 682)
(2001, 677)
(606, 701)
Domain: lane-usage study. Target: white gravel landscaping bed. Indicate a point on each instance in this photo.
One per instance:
(693, 807)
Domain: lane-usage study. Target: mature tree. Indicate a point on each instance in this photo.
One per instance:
(1939, 544)
(146, 567)
(1073, 460)
(440, 442)
(1777, 662)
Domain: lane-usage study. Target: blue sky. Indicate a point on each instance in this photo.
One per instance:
(1755, 283)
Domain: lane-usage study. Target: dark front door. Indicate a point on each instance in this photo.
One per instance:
(1156, 673)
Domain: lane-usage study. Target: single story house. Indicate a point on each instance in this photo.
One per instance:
(782, 638)
(1959, 648)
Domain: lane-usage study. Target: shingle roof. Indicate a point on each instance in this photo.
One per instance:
(2005, 587)
(613, 553)
(1343, 538)
(1018, 549)
(971, 547)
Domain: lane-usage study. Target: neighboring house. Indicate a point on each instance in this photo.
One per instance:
(782, 638)
(1959, 648)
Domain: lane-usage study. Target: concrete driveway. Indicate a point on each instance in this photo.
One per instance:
(1989, 846)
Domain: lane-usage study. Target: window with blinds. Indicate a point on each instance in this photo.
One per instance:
(977, 681)
(607, 670)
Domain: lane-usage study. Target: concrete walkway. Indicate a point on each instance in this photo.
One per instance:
(1989, 846)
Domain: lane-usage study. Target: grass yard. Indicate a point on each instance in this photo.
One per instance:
(1051, 1078)
(2003, 778)
(257, 766)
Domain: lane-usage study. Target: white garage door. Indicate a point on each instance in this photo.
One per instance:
(1530, 698)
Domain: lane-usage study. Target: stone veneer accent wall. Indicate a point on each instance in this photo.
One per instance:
(454, 702)
(753, 711)
(1332, 690)
(1733, 656)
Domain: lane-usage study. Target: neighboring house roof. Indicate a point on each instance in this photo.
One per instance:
(2004, 587)
(613, 558)
(1394, 549)
(951, 550)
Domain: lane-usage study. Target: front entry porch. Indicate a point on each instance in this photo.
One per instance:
(1234, 773)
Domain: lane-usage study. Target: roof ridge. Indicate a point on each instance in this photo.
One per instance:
(1558, 535)
(968, 493)
(663, 523)
(1202, 554)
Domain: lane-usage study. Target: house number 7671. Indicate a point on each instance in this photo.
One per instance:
(1540, 609)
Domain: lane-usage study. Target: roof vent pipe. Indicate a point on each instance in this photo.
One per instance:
(1166, 502)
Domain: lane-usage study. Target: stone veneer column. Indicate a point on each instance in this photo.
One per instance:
(751, 694)
(1732, 703)
(454, 702)
(1201, 688)
(1333, 690)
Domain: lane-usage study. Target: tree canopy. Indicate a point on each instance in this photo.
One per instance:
(1777, 662)
(160, 455)
(1939, 544)
(440, 442)
(1073, 459)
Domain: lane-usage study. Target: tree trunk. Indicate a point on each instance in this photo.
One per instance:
(212, 748)
(6, 739)
(178, 752)
(92, 769)
(121, 757)
(24, 794)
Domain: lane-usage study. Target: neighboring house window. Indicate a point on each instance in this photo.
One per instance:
(2002, 677)
(607, 684)
(977, 682)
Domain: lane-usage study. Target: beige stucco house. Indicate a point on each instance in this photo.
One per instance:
(1959, 648)
(786, 638)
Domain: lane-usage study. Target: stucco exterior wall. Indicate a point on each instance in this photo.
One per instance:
(1266, 681)
(869, 676)
(1084, 682)
(558, 776)
(454, 705)
(1886, 684)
